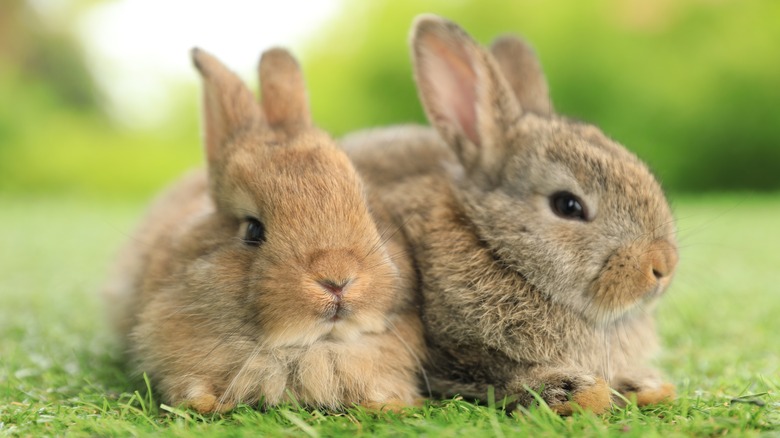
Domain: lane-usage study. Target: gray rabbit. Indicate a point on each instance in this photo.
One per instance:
(541, 246)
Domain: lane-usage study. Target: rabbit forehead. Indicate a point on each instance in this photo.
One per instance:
(558, 155)
(311, 198)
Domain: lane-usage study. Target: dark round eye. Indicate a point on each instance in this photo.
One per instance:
(568, 206)
(255, 232)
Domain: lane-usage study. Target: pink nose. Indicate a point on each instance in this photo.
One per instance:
(334, 287)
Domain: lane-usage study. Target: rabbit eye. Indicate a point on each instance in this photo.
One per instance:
(254, 234)
(568, 206)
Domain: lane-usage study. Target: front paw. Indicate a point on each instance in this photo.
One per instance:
(644, 391)
(208, 404)
(203, 400)
(395, 405)
(562, 391)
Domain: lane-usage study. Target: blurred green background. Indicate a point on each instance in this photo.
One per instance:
(692, 86)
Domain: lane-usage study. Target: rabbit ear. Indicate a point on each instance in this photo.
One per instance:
(228, 105)
(523, 71)
(283, 91)
(463, 92)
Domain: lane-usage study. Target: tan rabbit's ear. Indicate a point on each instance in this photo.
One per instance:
(283, 91)
(522, 69)
(228, 105)
(463, 92)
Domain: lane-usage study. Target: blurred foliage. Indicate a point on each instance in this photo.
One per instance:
(689, 85)
(54, 134)
(44, 55)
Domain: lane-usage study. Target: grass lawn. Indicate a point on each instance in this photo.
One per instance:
(60, 375)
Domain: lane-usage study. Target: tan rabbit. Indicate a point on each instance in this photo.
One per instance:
(265, 275)
(541, 245)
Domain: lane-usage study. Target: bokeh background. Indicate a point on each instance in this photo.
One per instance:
(99, 109)
(99, 99)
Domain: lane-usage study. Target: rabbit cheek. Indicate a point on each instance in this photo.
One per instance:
(632, 275)
(362, 311)
(289, 323)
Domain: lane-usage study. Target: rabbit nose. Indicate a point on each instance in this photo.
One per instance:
(336, 288)
(662, 258)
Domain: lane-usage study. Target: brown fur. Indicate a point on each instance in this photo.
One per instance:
(215, 321)
(516, 57)
(515, 296)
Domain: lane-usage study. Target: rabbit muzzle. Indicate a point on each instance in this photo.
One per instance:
(631, 276)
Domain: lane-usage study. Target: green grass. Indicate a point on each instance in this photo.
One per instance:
(60, 375)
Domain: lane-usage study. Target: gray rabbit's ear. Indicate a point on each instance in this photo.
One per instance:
(228, 106)
(523, 71)
(283, 91)
(463, 92)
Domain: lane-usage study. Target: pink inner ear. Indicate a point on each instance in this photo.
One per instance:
(453, 80)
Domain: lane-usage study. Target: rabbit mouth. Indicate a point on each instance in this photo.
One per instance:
(655, 292)
(613, 306)
(337, 312)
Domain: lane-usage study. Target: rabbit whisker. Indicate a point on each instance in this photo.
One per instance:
(237, 395)
(384, 238)
(607, 362)
(423, 374)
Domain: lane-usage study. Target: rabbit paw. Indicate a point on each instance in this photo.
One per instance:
(562, 391)
(205, 402)
(393, 405)
(645, 392)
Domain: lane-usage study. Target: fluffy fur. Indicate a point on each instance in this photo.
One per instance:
(514, 295)
(321, 310)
